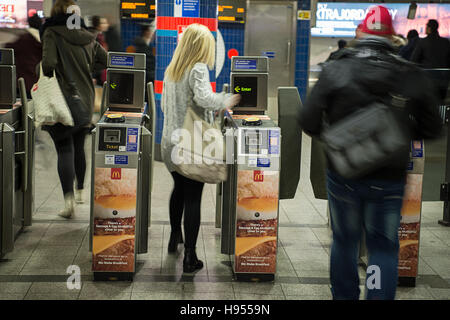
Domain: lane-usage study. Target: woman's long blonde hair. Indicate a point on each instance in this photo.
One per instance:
(197, 44)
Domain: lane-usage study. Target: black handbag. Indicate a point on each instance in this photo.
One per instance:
(80, 111)
(367, 140)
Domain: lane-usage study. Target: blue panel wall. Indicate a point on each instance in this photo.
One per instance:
(302, 51)
(166, 41)
(233, 37)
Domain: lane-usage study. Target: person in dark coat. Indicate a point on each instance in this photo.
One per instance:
(28, 53)
(413, 40)
(143, 45)
(99, 27)
(433, 52)
(113, 39)
(368, 72)
(82, 56)
(341, 45)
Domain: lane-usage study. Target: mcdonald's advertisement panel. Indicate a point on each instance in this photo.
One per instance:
(114, 220)
(257, 221)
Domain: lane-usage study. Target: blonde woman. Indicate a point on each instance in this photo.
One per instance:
(186, 84)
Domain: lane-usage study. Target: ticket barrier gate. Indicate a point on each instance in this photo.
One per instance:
(16, 155)
(122, 170)
(248, 202)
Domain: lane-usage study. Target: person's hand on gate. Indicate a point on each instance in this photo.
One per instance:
(232, 101)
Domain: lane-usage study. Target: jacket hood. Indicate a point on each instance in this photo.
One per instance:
(58, 24)
(375, 43)
(373, 48)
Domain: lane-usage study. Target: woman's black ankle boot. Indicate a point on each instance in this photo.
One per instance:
(175, 239)
(191, 262)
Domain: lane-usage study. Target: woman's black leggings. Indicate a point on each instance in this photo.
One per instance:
(187, 196)
(71, 160)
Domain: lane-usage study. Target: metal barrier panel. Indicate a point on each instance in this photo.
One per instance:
(289, 105)
(7, 147)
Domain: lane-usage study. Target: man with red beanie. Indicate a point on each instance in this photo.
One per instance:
(366, 73)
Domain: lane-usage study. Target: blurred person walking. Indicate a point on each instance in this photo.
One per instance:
(341, 45)
(367, 73)
(433, 52)
(187, 85)
(413, 40)
(99, 27)
(113, 39)
(143, 45)
(28, 53)
(74, 55)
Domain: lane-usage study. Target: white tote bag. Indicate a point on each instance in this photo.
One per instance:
(50, 106)
(204, 161)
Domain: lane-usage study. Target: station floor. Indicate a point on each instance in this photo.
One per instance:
(37, 267)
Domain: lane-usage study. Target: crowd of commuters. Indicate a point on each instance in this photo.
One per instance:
(78, 59)
(367, 69)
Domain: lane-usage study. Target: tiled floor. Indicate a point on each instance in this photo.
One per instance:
(37, 267)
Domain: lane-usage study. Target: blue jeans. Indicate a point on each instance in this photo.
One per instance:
(372, 206)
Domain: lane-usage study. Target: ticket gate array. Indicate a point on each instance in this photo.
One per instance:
(16, 155)
(122, 170)
(248, 202)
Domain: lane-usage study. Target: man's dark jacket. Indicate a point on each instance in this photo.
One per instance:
(432, 52)
(366, 73)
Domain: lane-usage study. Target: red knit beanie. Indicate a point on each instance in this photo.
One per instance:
(378, 21)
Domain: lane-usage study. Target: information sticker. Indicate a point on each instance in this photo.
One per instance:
(245, 64)
(132, 139)
(122, 61)
(121, 159)
(263, 163)
(252, 162)
(109, 159)
(274, 142)
(417, 149)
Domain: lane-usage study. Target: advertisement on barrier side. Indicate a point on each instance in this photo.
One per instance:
(257, 221)
(114, 220)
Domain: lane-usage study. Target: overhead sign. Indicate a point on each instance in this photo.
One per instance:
(140, 9)
(232, 11)
(186, 8)
(339, 19)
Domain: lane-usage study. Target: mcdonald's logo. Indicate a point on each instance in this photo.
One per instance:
(116, 173)
(258, 176)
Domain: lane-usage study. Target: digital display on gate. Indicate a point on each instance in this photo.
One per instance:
(247, 87)
(141, 9)
(121, 88)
